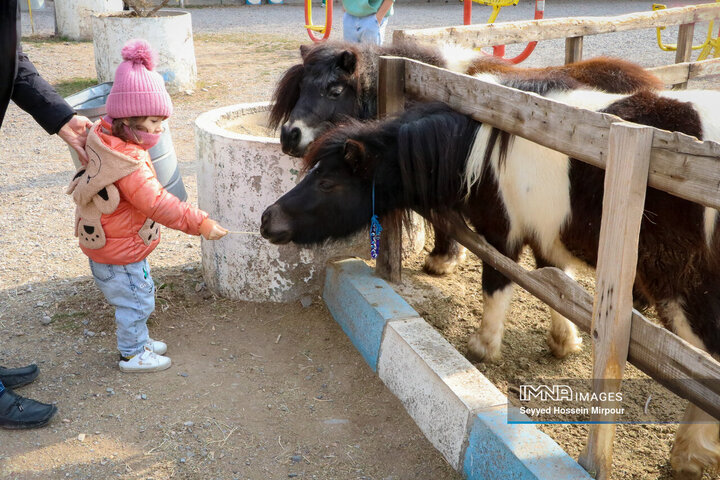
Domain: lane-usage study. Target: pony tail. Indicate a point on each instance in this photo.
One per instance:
(285, 96)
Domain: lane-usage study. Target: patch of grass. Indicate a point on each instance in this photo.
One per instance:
(63, 316)
(74, 85)
(67, 321)
(270, 42)
(41, 39)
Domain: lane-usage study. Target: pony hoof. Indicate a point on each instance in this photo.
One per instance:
(688, 458)
(480, 351)
(440, 264)
(685, 468)
(562, 347)
(686, 475)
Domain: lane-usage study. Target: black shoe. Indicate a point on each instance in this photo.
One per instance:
(17, 377)
(18, 413)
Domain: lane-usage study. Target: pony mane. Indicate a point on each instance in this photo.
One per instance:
(490, 64)
(330, 141)
(608, 74)
(648, 108)
(285, 96)
(429, 137)
(433, 138)
(613, 75)
(414, 51)
(542, 84)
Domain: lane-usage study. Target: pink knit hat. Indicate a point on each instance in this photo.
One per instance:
(138, 91)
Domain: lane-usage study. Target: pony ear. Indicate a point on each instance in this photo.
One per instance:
(354, 155)
(347, 61)
(304, 50)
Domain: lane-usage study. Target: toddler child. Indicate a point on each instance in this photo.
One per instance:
(120, 204)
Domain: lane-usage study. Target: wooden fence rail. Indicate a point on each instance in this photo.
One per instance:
(574, 29)
(672, 162)
(682, 72)
(679, 164)
(676, 163)
(554, 28)
(657, 352)
(674, 159)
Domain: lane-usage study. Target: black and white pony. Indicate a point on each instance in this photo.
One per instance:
(338, 81)
(516, 193)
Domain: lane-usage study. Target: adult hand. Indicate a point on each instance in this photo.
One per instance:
(385, 7)
(74, 133)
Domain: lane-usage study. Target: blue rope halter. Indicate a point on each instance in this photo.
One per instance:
(375, 228)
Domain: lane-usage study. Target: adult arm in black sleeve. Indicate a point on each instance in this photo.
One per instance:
(37, 97)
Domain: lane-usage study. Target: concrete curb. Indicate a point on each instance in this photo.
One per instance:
(457, 408)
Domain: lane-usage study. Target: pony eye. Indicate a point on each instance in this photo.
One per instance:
(325, 185)
(335, 91)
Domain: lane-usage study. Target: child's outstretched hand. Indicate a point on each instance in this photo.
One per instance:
(215, 231)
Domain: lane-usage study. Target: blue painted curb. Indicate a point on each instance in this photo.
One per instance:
(363, 305)
(521, 452)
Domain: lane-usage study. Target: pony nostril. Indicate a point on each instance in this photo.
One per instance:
(275, 226)
(289, 138)
(266, 222)
(265, 219)
(295, 135)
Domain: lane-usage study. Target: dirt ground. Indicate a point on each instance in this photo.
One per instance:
(453, 305)
(256, 391)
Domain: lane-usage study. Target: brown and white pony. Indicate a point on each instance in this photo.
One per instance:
(338, 81)
(516, 193)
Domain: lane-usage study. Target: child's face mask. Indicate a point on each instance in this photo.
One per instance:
(144, 139)
(146, 133)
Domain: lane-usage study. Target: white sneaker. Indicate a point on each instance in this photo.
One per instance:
(156, 346)
(145, 361)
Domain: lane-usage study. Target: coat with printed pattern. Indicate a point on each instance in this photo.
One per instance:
(131, 231)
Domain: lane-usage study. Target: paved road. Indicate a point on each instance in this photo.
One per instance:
(287, 20)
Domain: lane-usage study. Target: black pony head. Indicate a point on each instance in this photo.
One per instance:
(414, 161)
(336, 81)
(333, 200)
(313, 96)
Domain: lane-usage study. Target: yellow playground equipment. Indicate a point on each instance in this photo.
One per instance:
(323, 30)
(710, 48)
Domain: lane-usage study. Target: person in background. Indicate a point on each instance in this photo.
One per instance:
(365, 20)
(21, 83)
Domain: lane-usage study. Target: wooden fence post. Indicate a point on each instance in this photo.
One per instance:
(391, 99)
(684, 48)
(623, 203)
(391, 86)
(573, 49)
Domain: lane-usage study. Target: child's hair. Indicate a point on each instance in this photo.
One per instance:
(119, 131)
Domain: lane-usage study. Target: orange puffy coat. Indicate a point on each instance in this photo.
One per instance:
(142, 197)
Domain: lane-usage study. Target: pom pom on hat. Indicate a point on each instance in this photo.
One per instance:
(139, 51)
(138, 90)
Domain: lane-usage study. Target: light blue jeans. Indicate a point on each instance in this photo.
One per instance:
(130, 289)
(363, 29)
